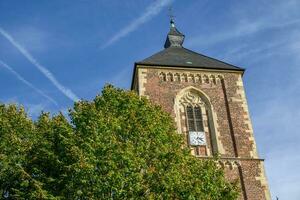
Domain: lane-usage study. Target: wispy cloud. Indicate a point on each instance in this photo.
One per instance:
(256, 52)
(150, 12)
(67, 92)
(34, 110)
(277, 124)
(18, 76)
(245, 28)
(33, 38)
(281, 15)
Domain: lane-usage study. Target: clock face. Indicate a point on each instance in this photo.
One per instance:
(197, 138)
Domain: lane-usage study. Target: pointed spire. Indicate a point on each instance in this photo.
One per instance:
(174, 37)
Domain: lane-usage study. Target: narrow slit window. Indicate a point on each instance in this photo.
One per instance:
(198, 119)
(190, 118)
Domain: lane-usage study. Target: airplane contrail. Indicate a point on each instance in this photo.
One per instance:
(150, 12)
(18, 76)
(67, 92)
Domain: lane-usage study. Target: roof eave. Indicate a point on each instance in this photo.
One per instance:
(187, 66)
(238, 69)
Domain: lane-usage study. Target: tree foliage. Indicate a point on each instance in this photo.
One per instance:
(117, 146)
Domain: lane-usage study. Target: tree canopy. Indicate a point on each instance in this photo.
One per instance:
(117, 146)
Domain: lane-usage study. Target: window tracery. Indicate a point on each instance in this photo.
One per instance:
(194, 116)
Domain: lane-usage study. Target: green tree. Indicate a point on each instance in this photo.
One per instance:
(117, 146)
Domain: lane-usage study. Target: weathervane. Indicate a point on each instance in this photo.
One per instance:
(171, 16)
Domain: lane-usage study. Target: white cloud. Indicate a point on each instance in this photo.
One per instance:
(18, 76)
(242, 29)
(276, 126)
(258, 52)
(34, 39)
(67, 92)
(278, 15)
(150, 12)
(11, 100)
(34, 110)
(121, 78)
(279, 165)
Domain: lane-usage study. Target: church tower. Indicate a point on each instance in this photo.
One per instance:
(206, 97)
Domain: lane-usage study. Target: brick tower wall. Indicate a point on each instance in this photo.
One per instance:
(234, 133)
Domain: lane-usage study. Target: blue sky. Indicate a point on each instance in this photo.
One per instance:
(54, 52)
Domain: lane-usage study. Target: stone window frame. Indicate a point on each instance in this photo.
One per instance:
(202, 148)
(194, 96)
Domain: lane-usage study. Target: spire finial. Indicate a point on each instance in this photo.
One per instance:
(171, 16)
(174, 37)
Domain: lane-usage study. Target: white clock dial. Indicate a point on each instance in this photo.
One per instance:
(197, 138)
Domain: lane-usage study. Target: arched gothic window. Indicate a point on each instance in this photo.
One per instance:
(194, 117)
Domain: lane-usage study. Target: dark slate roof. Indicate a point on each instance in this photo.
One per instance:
(182, 57)
(175, 54)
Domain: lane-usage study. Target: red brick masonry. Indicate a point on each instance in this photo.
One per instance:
(227, 123)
